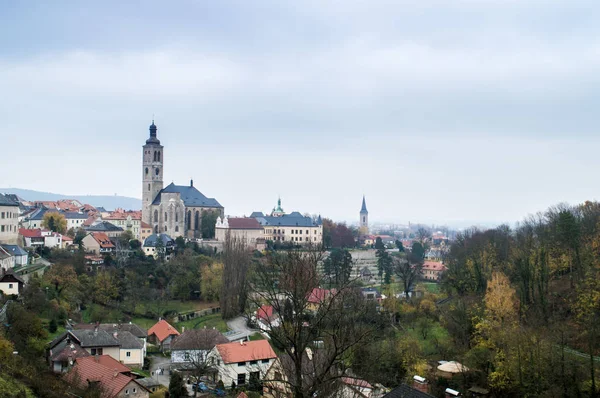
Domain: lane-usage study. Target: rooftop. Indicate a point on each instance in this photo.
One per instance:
(198, 339)
(246, 351)
(162, 329)
(7, 201)
(189, 194)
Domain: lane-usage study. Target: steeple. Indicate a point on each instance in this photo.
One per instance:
(363, 209)
(153, 139)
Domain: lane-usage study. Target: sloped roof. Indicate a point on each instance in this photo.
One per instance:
(256, 214)
(243, 223)
(405, 391)
(104, 226)
(363, 208)
(102, 239)
(67, 349)
(112, 327)
(189, 194)
(318, 295)
(433, 266)
(6, 201)
(145, 225)
(198, 339)
(287, 220)
(162, 329)
(152, 240)
(92, 338)
(30, 233)
(100, 369)
(351, 381)
(10, 276)
(247, 351)
(264, 312)
(15, 250)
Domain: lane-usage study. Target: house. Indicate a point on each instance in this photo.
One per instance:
(242, 363)
(127, 220)
(162, 334)
(63, 355)
(352, 387)
(317, 297)
(406, 391)
(66, 241)
(120, 345)
(150, 383)
(111, 230)
(246, 228)
(98, 243)
(145, 231)
(7, 261)
(266, 318)
(9, 220)
(107, 375)
(432, 270)
(192, 346)
(157, 244)
(10, 283)
(74, 219)
(117, 329)
(20, 256)
(38, 237)
(93, 262)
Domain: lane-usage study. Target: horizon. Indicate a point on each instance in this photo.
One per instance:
(319, 103)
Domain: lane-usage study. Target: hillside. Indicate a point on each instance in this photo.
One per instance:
(106, 201)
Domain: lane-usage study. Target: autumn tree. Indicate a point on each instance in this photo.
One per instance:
(337, 235)
(64, 282)
(236, 259)
(409, 270)
(209, 220)
(212, 281)
(55, 222)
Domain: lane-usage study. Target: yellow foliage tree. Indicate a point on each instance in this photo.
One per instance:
(212, 281)
(55, 222)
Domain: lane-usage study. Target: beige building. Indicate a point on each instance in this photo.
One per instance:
(98, 243)
(127, 220)
(9, 220)
(246, 228)
(146, 231)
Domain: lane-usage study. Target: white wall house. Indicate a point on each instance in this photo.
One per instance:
(193, 346)
(240, 362)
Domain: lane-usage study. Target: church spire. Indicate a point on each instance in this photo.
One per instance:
(364, 206)
(153, 139)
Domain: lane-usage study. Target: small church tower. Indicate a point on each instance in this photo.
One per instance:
(364, 218)
(152, 173)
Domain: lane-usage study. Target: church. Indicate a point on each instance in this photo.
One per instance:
(175, 210)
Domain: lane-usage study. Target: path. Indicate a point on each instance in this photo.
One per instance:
(163, 363)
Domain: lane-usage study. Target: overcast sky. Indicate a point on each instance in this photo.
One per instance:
(436, 110)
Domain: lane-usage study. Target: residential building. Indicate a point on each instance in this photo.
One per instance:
(176, 209)
(158, 244)
(111, 379)
(192, 346)
(128, 221)
(10, 283)
(20, 256)
(41, 238)
(145, 231)
(246, 228)
(432, 270)
(406, 391)
(9, 220)
(293, 227)
(266, 318)
(98, 243)
(7, 261)
(162, 334)
(138, 332)
(364, 218)
(111, 230)
(62, 356)
(318, 297)
(242, 362)
(74, 220)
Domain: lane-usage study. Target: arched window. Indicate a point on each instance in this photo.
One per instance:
(176, 228)
(176, 215)
(165, 228)
(146, 171)
(157, 171)
(165, 216)
(155, 156)
(189, 220)
(159, 156)
(196, 220)
(148, 187)
(155, 215)
(156, 229)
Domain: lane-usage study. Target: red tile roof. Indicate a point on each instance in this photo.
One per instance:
(90, 220)
(356, 382)
(265, 312)
(242, 395)
(145, 225)
(103, 240)
(246, 351)
(162, 329)
(244, 223)
(103, 369)
(318, 295)
(30, 233)
(67, 238)
(433, 266)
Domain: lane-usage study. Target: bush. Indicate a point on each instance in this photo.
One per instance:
(52, 326)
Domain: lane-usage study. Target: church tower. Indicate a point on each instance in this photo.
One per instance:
(364, 218)
(152, 173)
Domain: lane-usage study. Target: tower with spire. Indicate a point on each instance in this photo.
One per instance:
(152, 172)
(364, 218)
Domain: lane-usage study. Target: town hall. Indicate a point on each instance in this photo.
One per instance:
(175, 210)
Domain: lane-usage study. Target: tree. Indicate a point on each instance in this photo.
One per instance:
(337, 235)
(63, 279)
(339, 318)
(55, 222)
(236, 258)
(177, 386)
(105, 289)
(338, 266)
(418, 250)
(211, 281)
(409, 271)
(209, 220)
(384, 262)
(399, 245)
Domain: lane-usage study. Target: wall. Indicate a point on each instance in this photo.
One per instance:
(8, 291)
(178, 356)
(284, 233)
(128, 391)
(9, 224)
(90, 244)
(229, 372)
(113, 352)
(136, 358)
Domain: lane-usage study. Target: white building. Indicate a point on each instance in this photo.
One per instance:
(9, 220)
(193, 346)
(240, 363)
(246, 228)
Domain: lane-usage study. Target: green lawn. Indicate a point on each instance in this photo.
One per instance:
(209, 321)
(431, 287)
(436, 334)
(256, 336)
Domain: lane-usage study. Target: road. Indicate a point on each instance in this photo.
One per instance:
(239, 325)
(160, 362)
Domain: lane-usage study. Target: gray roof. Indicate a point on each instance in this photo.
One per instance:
(7, 201)
(198, 339)
(112, 327)
(101, 209)
(256, 214)
(153, 239)
(104, 226)
(128, 340)
(190, 195)
(39, 214)
(15, 250)
(363, 209)
(405, 391)
(92, 338)
(148, 382)
(294, 219)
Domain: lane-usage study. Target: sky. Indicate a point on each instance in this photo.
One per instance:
(439, 111)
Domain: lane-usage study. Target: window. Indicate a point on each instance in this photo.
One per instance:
(10, 285)
(265, 361)
(156, 171)
(300, 232)
(2, 228)
(253, 362)
(307, 238)
(241, 379)
(96, 351)
(155, 215)
(241, 363)
(307, 232)
(128, 354)
(2, 214)
(176, 217)
(278, 376)
(165, 228)
(134, 390)
(146, 171)
(126, 392)
(165, 216)
(176, 228)
(254, 377)
(186, 356)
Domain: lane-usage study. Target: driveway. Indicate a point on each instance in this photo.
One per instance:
(239, 325)
(160, 362)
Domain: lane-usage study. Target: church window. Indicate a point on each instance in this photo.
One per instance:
(196, 221)
(165, 216)
(165, 228)
(148, 187)
(155, 215)
(159, 156)
(155, 156)
(146, 171)
(157, 171)
(189, 220)
(176, 228)
(156, 229)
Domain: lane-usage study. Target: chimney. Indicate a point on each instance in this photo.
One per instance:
(421, 384)
(96, 358)
(450, 393)
(115, 334)
(191, 183)
(116, 373)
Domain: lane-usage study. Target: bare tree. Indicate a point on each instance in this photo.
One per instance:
(409, 269)
(236, 261)
(316, 329)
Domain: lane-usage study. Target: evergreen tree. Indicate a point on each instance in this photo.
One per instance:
(177, 386)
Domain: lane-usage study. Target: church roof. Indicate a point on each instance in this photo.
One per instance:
(287, 220)
(363, 209)
(189, 194)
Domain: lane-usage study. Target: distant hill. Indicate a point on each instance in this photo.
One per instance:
(106, 201)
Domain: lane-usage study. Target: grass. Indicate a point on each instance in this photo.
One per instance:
(431, 287)
(59, 330)
(208, 321)
(436, 333)
(256, 336)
